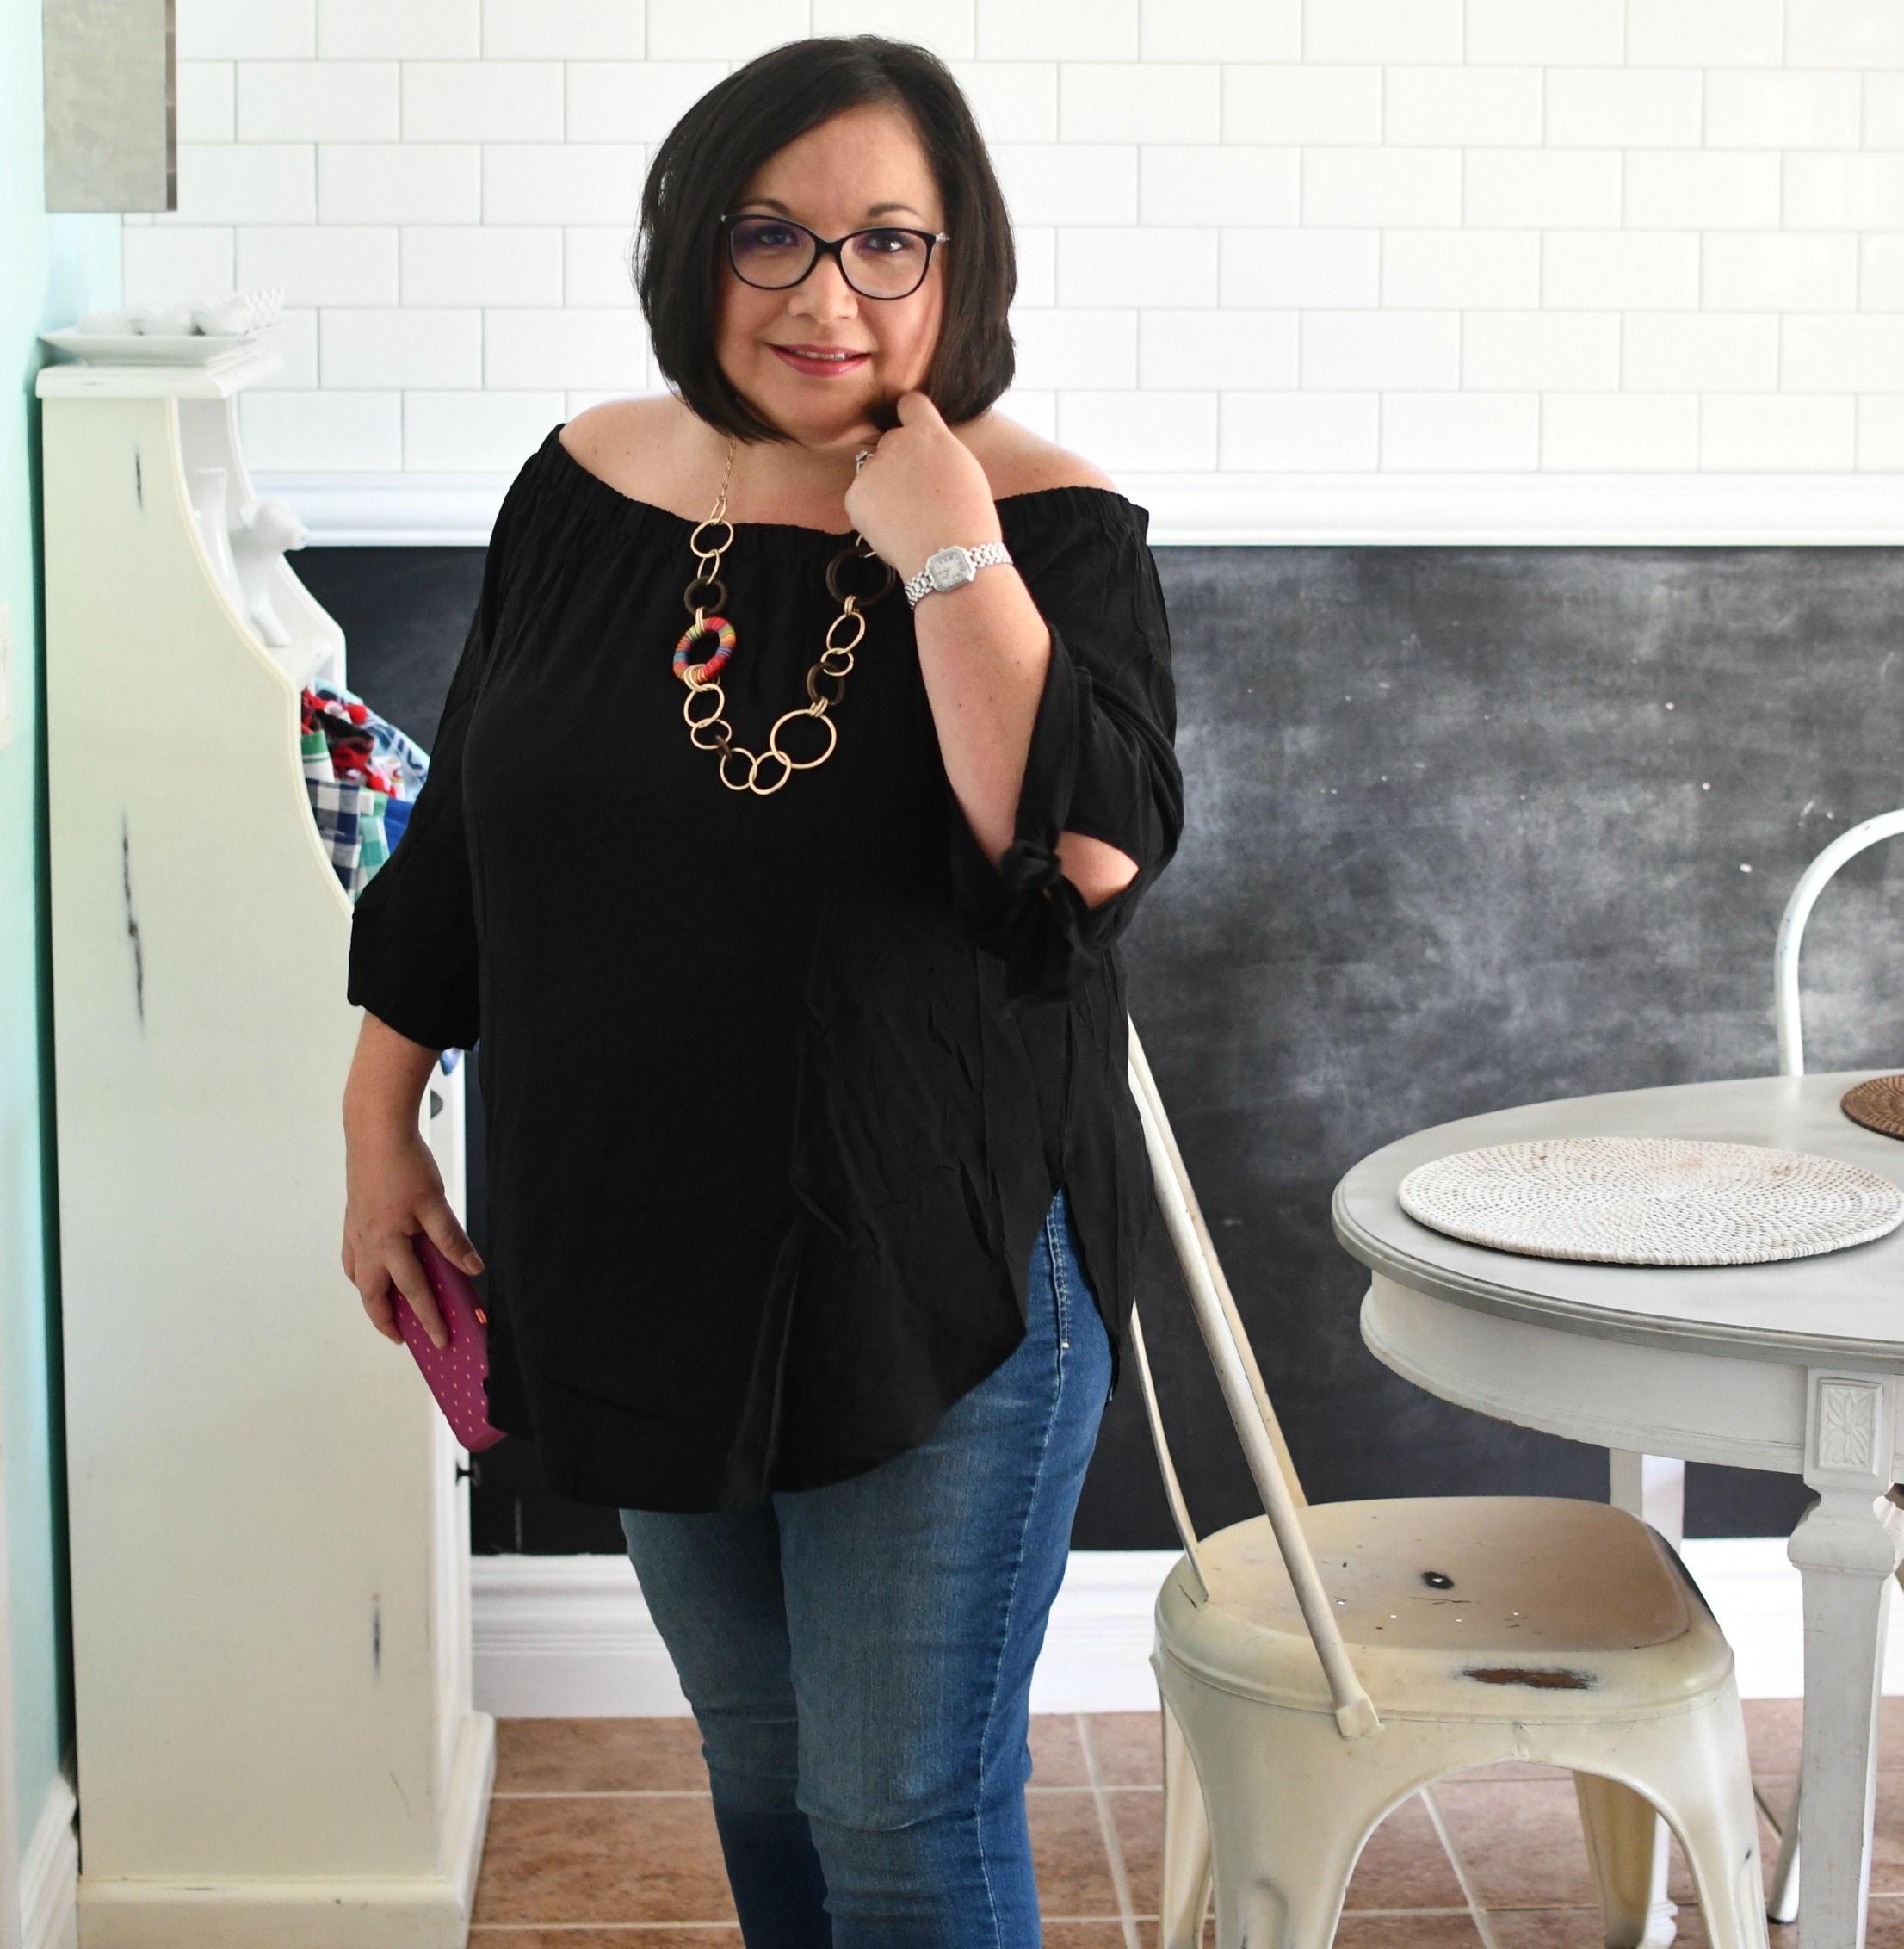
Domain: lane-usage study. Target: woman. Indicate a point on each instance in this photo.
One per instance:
(816, 1190)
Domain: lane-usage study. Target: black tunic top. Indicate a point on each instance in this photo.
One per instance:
(778, 1089)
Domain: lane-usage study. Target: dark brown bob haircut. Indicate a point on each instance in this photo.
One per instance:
(716, 147)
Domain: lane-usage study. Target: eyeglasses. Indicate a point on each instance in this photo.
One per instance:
(775, 253)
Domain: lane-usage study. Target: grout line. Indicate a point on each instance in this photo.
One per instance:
(1107, 1823)
(1483, 1926)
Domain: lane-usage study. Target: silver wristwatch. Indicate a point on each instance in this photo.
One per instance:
(952, 568)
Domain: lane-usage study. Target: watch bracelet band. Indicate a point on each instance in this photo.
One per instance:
(986, 555)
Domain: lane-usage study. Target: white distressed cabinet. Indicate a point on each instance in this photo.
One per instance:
(276, 1747)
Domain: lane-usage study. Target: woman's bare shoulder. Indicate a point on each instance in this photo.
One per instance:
(632, 444)
(1017, 460)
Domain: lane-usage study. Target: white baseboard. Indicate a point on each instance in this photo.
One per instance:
(49, 1874)
(567, 1638)
(1523, 509)
(570, 1637)
(1756, 1595)
(369, 1912)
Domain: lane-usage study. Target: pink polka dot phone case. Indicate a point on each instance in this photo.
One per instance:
(455, 1373)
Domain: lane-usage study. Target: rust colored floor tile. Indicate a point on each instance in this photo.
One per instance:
(597, 1755)
(1057, 1758)
(1139, 1814)
(1129, 1747)
(1067, 1849)
(602, 1861)
(1086, 1935)
(1773, 1730)
(1408, 1931)
(1553, 1928)
(1521, 1841)
(1884, 1926)
(1403, 1866)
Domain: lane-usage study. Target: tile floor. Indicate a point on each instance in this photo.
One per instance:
(601, 1837)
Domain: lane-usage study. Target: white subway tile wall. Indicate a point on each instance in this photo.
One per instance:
(1256, 237)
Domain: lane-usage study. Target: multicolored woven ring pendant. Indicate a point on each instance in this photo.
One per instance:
(722, 631)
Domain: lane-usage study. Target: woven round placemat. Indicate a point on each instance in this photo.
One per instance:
(1652, 1201)
(1877, 1104)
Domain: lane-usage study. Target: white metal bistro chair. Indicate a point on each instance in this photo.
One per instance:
(1320, 1665)
(1791, 930)
(1782, 1903)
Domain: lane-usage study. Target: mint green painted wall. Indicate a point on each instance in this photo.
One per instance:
(52, 269)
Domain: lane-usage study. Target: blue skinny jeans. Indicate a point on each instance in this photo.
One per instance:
(859, 1657)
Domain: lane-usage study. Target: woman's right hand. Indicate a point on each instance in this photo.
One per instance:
(392, 1188)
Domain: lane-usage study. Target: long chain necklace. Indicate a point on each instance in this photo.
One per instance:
(705, 709)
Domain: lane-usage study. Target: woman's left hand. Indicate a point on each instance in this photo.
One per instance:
(921, 492)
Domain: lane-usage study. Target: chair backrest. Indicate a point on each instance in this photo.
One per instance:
(1791, 930)
(1248, 1402)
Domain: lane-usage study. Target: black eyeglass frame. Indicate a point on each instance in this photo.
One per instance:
(831, 247)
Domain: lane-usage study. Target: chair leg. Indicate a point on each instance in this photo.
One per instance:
(1626, 1842)
(1782, 1902)
(1186, 1891)
(1290, 1803)
(1697, 1774)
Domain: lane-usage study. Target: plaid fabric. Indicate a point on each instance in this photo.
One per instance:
(355, 767)
(372, 847)
(337, 809)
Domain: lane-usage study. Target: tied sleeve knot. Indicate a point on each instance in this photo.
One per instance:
(1050, 939)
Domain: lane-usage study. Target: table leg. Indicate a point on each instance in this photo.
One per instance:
(1847, 1548)
(1653, 1488)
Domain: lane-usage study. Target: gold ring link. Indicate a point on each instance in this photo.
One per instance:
(712, 555)
(853, 641)
(817, 712)
(708, 690)
(836, 663)
(743, 755)
(754, 784)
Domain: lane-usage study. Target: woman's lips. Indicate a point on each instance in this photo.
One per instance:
(820, 361)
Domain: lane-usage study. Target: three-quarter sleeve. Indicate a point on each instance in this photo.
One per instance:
(1101, 761)
(413, 941)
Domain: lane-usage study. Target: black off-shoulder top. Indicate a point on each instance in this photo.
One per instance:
(778, 1089)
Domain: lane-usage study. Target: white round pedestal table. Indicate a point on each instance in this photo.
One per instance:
(1793, 1366)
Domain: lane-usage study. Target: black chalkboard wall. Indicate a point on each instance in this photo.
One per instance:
(1467, 828)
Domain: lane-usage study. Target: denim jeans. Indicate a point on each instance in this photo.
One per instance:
(859, 1657)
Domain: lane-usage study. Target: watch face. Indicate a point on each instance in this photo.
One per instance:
(949, 568)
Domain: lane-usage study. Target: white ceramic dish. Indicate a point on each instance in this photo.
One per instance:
(99, 348)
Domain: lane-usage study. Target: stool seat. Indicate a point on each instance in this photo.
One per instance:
(1498, 1607)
